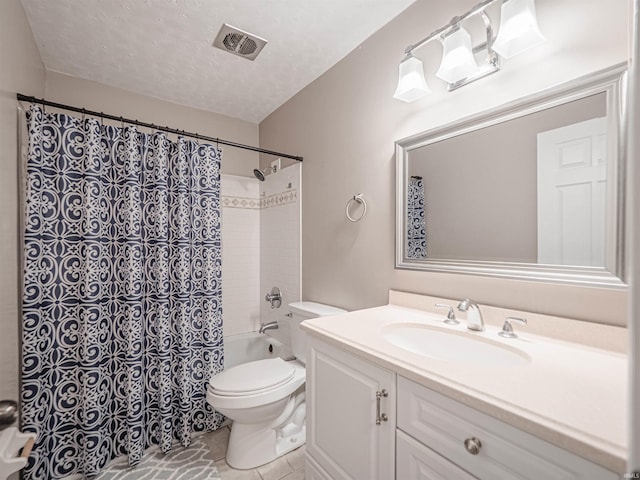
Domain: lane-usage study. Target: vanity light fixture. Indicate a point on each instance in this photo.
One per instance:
(519, 29)
(458, 61)
(411, 82)
(459, 66)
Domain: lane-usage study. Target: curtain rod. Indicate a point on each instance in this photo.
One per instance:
(43, 102)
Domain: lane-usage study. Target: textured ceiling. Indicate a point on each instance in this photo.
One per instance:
(163, 48)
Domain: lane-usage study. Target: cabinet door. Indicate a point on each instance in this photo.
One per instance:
(343, 436)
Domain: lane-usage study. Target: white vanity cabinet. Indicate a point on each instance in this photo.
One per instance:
(560, 415)
(449, 437)
(351, 416)
(368, 422)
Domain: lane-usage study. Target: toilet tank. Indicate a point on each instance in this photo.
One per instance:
(300, 311)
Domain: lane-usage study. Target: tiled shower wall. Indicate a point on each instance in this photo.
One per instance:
(280, 238)
(240, 254)
(260, 249)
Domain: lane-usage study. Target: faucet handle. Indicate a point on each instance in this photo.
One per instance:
(451, 317)
(507, 328)
(274, 298)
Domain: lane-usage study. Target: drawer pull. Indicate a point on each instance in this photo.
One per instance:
(380, 417)
(473, 445)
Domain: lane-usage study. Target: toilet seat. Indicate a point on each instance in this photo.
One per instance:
(252, 378)
(255, 383)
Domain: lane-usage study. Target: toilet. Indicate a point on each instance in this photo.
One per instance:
(265, 399)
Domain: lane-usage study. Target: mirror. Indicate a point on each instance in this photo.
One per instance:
(531, 190)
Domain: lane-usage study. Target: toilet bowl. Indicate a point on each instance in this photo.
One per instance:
(265, 399)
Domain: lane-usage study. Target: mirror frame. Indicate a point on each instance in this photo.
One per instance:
(611, 81)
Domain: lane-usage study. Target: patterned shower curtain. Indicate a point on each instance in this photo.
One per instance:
(416, 226)
(122, 320)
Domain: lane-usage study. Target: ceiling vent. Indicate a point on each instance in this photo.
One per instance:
(238, 42)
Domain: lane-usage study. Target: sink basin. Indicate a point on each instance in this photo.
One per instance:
(450, 346)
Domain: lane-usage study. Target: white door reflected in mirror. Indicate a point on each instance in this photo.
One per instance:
(572, 193)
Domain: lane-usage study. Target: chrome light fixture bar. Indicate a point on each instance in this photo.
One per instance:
(518, 31)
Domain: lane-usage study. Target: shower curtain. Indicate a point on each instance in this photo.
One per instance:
(416, 225)
(122, 320)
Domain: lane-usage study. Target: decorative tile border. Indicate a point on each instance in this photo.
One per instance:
(290, 196)
(283, 198)
(240, 202)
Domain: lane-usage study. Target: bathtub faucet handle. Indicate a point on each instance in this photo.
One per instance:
(274, 297)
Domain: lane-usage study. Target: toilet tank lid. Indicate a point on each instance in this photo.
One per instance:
(313, 309)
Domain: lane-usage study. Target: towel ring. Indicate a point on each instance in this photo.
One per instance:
(360, 200)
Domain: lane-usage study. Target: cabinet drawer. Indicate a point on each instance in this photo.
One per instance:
(414, 461)
(505, 453)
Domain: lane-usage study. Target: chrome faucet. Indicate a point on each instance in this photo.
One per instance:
(507, 328)
(451, 316)
(268, 326)
(474, 316)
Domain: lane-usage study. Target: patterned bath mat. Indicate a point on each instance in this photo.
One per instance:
(191, 463)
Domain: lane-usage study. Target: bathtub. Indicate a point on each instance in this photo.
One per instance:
(248, 347)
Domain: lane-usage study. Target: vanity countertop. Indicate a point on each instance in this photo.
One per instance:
(571, 395)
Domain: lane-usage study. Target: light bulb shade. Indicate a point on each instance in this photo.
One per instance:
(519, 29)
(411, 82)
(458, 61)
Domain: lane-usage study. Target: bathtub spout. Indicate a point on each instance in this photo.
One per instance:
(268, 326)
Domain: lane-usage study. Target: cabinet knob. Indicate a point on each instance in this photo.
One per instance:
(473, 445)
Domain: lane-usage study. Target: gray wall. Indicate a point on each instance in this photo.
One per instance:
(21, 71)
(346, 122)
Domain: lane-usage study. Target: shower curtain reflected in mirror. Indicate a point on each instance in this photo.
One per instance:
(122, 320)
(416, 225)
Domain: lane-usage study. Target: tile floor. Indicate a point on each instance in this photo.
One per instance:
(288, 467)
